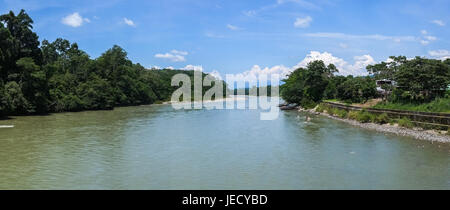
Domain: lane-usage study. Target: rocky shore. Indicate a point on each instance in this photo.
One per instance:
(418, 133)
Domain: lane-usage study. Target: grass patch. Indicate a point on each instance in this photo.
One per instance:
(341, 113)
(382, 119)
(331, 111)
(365, 117)
(405, 122)
(439, 105)
(338, 101)
(321, 108)
(353, 115)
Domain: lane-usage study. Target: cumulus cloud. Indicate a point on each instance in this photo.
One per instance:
(216, 74)
(75, 20)
(192, 68)
(358, 68)
(438, 22)
(129, 22)
(257, 72)
(303, 22)
(345, 68)
(440, 54)
(173, 56)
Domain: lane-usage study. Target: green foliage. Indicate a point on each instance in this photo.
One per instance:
(418, 80)
(382, 119)
(15, 101)
(353, 115)
(365, 117)
(306, 86)
(341, 113)
(448, 131)
(60, 77)
(331, 111)
(356, 89)
(317, 82)
(438, 105)
(321, 108)
(405, 122)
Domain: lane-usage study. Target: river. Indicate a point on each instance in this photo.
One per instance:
(157, 147)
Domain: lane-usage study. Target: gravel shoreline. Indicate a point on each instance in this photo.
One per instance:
(417, 133)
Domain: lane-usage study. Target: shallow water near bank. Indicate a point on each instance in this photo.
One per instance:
(157, 147)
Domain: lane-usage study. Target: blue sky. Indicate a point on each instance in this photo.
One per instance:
(250, 36)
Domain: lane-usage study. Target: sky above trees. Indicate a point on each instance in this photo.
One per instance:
(247, 37)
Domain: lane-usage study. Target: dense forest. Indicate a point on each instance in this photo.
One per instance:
(254, 91)
(38, 78)
(417, 81)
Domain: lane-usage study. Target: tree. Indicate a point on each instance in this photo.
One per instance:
(423, 79)
(387, 70)
(307, 86)
(34, 85)
(60, 77)
(25, 41)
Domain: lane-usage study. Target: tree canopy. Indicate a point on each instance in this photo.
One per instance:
(57, 76)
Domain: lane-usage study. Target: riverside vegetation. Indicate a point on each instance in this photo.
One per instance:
(38, 78)
(421, 86)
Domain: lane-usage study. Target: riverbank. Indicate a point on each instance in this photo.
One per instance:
(417, 133)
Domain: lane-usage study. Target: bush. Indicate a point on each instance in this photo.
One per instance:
(382, 119)
(405, 122)
(365, 117)
(352, 115)
(321, 108)
(331, 111)
(341, 113)
(392, 121)
(448, 131)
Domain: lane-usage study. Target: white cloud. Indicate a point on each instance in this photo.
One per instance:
(74, 20)
(174, 56)
(192, 68)
(213, 35)
(233, 28)
(257, 72)
(303, 3)
(352, 36)
(155, 68)
(438, 22)
(431, 38)
(440, 54)
(216, 74)
(424, 42)
(129, 22)
(427, 39)
(179, 52)
(303, 22)
(356, 69)
(342, 45)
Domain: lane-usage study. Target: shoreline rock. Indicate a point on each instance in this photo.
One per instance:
(416, 133)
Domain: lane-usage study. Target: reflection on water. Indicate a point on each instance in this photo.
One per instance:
(156, 147)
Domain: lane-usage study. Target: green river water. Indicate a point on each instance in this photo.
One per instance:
(157, 147)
